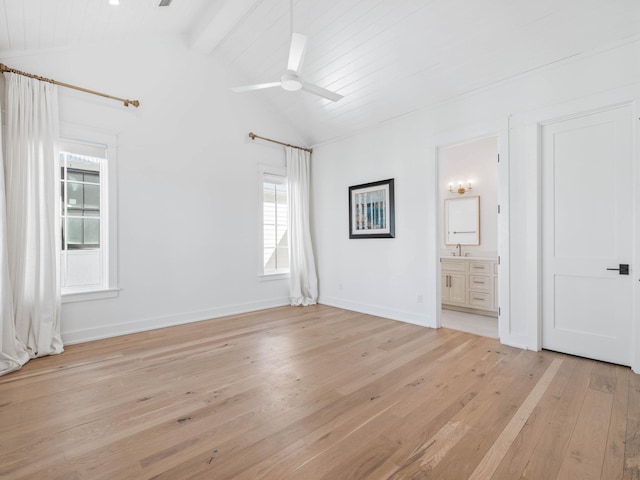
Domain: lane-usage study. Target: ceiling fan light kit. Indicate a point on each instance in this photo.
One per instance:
(290, 82)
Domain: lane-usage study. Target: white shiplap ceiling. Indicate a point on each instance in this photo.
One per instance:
(387, 57)
(42, 24)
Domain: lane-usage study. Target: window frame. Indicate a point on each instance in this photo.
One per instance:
(280, 174)
(82, 137)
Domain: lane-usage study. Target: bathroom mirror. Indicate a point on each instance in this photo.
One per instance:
(462, 221)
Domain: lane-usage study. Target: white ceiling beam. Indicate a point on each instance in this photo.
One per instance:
(219, 21)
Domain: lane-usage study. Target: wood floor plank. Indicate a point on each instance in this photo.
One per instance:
(549, 452)
(454, 403)
(585, 454)
(587, 447)
(613, 465)
(315, 393)
(521, 449)
(632, 436)
(490, 411)
(498, 450)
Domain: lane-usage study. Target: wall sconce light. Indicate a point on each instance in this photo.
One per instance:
(461, 190)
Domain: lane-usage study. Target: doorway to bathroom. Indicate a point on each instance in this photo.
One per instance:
(468, 244)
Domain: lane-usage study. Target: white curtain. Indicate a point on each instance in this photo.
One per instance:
(304, 282)
(32, 224)
(12, 355)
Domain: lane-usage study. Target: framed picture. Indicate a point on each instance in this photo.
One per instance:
(371, 210)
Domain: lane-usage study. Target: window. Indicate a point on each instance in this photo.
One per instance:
(87, 209)
(80, 201)
(275, 235)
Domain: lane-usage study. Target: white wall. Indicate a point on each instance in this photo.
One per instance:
(476, 160)
(189, 216)
(387, 276)
(383, 276)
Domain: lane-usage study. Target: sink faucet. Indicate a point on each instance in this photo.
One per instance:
(459, 247)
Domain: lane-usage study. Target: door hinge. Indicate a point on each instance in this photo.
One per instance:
(498, 158)
(498, 209)
(498, 259)
(499, 312)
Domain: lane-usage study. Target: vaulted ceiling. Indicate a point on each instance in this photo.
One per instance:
(387, 57)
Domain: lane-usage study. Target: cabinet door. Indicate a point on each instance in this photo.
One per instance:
(458, 289)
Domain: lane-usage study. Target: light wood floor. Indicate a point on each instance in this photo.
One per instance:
(316, 393)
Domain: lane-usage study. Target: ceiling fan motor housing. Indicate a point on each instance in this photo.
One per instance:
(290, 82)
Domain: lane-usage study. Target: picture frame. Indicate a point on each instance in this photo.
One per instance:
(372, 210)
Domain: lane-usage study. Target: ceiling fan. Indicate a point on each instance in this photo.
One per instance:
(291, 80)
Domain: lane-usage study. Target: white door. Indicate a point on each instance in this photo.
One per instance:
(587, 229)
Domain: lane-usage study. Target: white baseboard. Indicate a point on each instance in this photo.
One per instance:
(516, 344)
(515, 340)
(519, 345)
(115, 330)
(379, 311)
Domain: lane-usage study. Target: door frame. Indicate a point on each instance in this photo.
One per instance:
(499, 130)
(531, 124)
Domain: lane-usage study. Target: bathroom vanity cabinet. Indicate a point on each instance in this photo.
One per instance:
(469, 284)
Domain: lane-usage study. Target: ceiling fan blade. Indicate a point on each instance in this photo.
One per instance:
(258, 86)
(323, 92)
(296, 51)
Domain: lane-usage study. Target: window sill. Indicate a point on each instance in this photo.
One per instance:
(267, 277)
(90, 295)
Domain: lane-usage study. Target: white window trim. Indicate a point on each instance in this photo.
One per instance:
(267, 277)
(109, 230)
(277, 172)
(90, 295)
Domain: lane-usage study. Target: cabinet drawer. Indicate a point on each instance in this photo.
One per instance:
(454, 266)
(480, 267)
(479, 283)
(480, 300)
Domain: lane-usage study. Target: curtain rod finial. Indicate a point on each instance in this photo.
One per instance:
(252, 135)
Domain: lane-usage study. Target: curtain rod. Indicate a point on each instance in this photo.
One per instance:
(4, 68)
(253, 136)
